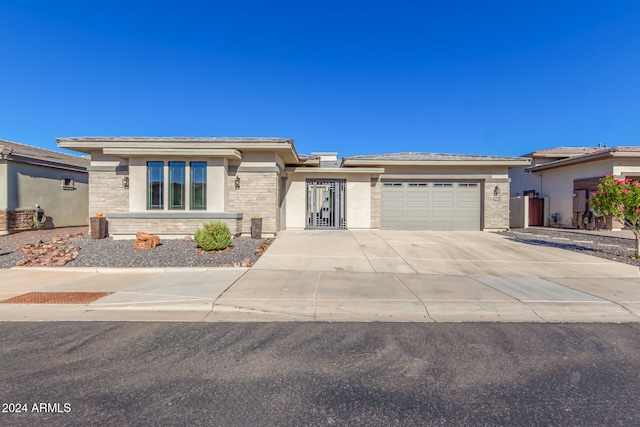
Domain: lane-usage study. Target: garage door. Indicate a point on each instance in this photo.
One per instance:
(430, 206)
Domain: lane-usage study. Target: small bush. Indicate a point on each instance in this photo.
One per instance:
(213, 236)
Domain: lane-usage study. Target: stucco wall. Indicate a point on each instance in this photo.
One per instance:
(358, 199)
(31, 184)
(522, 181)
(557, 184)
(3, 185)
(216, 182)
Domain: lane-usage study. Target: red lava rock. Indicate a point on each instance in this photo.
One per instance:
(53, 253)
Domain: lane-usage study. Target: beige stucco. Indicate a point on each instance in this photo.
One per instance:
(358, 198)
(216, 182)
(557, 184)
(4, 185)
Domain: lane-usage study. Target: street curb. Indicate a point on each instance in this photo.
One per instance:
(117, 270)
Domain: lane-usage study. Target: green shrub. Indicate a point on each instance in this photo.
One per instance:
(213, 236)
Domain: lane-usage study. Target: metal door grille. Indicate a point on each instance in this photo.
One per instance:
(326, 204)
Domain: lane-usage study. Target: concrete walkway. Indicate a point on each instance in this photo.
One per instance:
(353, 276)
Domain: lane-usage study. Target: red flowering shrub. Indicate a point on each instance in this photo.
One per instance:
(619, 198)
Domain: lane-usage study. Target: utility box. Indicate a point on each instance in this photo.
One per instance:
(98, 227)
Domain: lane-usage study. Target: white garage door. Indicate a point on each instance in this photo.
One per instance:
(430, 206)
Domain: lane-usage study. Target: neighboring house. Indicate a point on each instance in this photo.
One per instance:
(30, 176)
(170, 186)
(566, 177)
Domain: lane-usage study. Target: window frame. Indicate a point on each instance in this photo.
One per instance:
(155, 165)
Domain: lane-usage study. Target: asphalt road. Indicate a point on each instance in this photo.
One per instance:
(319, 374)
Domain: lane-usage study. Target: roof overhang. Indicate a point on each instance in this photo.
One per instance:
(600, 155)
(187, 146)
(493, 162)
(147, 152)
(336, 171)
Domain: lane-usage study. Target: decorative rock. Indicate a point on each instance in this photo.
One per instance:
(187, 239)
(145, 241)
(54, 253)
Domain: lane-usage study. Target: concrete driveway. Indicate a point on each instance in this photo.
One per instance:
(431, 252)
(431, 276)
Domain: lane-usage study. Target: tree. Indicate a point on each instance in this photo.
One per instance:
(619, 198)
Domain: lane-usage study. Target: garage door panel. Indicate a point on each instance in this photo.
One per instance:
(467, 204)
(418, 203)
(393, 203)
(429, 205)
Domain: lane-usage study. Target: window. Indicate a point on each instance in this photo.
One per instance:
(198, 186)
(417, 184)
(392, 184)
(155, 185)
(176, 185)
(468, 184)
(68, 183)
(443, 184)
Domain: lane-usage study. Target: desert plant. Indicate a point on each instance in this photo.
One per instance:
(619, 198)
(213, 236)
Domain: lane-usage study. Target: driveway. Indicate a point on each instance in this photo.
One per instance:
(431, 252)
(365, 275)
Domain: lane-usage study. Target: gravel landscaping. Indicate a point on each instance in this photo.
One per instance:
(179, 253)
(614, 248)
(121, 254)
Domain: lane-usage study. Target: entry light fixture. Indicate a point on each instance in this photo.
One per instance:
(237, 182)
(496, 191)
(125, 182)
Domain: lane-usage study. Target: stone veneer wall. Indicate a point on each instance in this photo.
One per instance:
(496, 212)
(168, 226)
(106, 193)
(257, 196)
(16, 220)
(376, 197)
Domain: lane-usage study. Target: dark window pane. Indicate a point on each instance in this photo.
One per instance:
(176, 185)
(198, 186)
(155, 185)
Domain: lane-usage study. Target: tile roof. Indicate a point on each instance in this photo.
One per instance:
(27, 153)
(598, 154)
(416, 156)
(562, 152)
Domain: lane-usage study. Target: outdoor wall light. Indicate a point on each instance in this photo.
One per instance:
(237, 182)
(125, 182)
(496, 191)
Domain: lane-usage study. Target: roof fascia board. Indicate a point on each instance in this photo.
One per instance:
(336, 171)
(571, 161)
(133, 152)
(88, 146)
(45, 163)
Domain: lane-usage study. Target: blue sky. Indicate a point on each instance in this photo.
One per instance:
(476, 77)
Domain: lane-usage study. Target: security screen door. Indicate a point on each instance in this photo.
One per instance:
(326, 204)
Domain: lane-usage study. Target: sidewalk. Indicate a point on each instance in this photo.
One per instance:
(240, 294)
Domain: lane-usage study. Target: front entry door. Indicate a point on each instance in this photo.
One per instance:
(326, 204)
